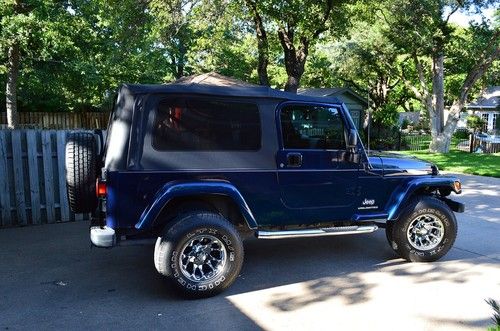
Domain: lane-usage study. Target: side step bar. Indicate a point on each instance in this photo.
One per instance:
(333, 231)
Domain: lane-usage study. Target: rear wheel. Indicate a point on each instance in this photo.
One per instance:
(81, 171)
(201, 253)
(426, 230)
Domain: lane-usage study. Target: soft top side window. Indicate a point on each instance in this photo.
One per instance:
(312, 127)
(184, 124)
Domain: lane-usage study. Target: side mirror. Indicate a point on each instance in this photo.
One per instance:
(352, 139)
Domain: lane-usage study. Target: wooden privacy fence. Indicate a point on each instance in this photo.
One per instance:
(60, 120)
(32, 178)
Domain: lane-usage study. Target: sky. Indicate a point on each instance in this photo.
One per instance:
(463, 18)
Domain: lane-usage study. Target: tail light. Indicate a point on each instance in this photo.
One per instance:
(100, 189)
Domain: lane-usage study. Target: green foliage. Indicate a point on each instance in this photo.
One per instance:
(475, 122)
(385, 137)
(423, 37)
(74, 54)
(461, 134)
(405, 123)
(305, 17)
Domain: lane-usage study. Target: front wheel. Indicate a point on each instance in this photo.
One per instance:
(201, 253)
(426, 230)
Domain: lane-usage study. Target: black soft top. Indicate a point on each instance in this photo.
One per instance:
(214, 84)
(125, 147)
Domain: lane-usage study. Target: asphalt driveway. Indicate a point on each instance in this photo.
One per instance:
(51, 279)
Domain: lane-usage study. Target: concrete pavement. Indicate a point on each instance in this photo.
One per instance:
(51, 279)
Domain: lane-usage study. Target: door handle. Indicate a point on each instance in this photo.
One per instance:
(294, 160)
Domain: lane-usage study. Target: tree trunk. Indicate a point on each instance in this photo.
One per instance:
(292, 84)
(11, 86)
(262, 43)
(438, 90)
(440, 140)
(295, 59)
(294, 64)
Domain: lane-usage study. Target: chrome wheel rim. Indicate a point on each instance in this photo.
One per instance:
(425, 232)
(202, 258)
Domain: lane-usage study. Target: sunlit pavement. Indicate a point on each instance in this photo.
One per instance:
(51, 279)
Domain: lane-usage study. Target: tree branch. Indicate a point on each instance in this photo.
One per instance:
(322, 27)
(488, 56)
(262, 43)
(453, 11)
(353, 83)
(421, 77)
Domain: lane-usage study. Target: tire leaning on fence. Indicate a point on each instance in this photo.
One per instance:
(81, 171)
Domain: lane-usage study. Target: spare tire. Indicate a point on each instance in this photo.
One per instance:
(81, 171)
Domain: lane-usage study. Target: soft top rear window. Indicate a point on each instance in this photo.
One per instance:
(183, 124)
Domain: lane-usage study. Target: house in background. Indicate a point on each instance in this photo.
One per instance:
(413, 117)
(486, 106)
(355, 103)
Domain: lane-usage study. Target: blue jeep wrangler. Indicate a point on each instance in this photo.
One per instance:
(199, 167)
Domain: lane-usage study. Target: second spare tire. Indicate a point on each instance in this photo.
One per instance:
(81, 171)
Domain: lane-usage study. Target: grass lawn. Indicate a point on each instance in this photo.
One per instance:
(467, 163)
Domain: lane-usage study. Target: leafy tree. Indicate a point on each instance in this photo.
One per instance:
(299, 25)
(368, 62)
(28, 29)
(475, 123)
(422, 32)
(195, 35)
(83, 51)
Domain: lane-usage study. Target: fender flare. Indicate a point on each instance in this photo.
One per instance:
(183, 189)
(404, 192)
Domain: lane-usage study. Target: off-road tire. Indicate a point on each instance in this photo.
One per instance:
(184, 209)
(168, 252)
(81, 171)
(424, 205)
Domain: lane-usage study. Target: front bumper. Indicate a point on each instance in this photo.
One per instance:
(102, 236)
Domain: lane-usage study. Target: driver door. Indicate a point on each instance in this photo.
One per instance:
(316, 183)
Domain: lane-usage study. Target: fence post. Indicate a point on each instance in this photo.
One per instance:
(4, 182)
(471, 143)
(48, 176)
(17, 166)
(32, 152)
(63, 198)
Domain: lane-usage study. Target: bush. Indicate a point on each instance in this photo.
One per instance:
(385, 138)
(475, 122)
(405, 123)
(461, 134)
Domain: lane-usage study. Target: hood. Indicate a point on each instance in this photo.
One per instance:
(394, 163)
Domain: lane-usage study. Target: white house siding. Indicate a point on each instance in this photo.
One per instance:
(354, 107)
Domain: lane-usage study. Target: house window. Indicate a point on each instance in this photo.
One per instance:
(485, 118)
(495, 117)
